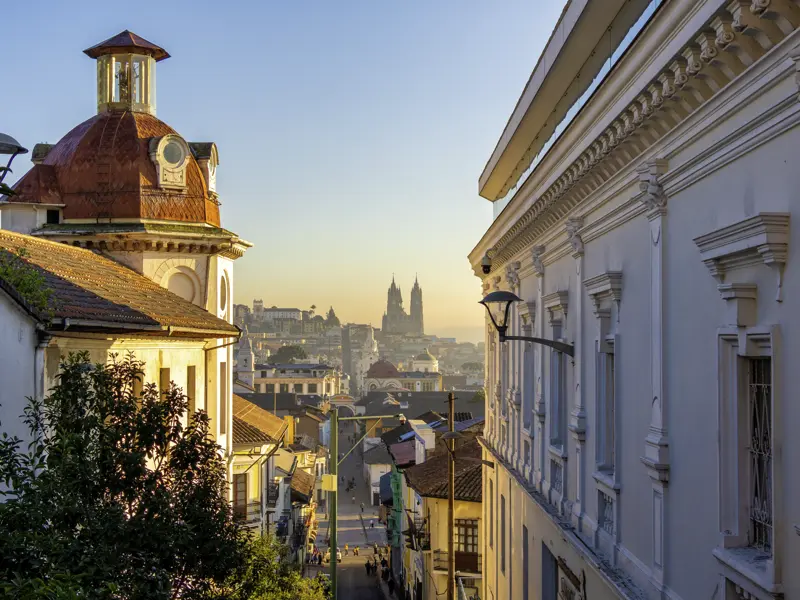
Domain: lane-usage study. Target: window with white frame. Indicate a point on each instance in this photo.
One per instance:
(558, 409)
(606, 408)
(759, 448)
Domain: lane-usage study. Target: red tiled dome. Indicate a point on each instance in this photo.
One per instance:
(102, 169)
(383, 369)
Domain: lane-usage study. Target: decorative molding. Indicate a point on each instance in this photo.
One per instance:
(655, 199)
(762, 239)
(740, 299)
(556, 303)
(604, 287)
(703, 69)
(573, 226)
(512, 275)
(536, 257)
(527, 312)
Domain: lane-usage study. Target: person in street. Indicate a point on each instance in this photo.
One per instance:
(354, 499)
(372, 523)
(390, 583)
(346, 549)
(355, 551)
(362, 507)
(384, 564)
(375, 548)
(368, 566)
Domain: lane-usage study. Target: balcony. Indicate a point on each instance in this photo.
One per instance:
(466, 562)
(249, 513)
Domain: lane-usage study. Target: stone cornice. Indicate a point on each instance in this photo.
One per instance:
(720, 51)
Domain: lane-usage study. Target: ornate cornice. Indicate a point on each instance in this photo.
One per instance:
(720, 51)
(573, 225)
(654, 198)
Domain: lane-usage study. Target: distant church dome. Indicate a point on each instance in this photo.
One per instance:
(426, 356)
(382, 369)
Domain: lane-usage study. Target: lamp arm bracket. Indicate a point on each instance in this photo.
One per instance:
(567, 349)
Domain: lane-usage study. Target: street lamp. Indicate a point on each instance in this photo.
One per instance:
(8, 145)
(498, 305)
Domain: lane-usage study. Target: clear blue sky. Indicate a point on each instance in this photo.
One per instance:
(351, 133)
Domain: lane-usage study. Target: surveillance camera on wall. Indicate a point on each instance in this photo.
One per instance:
(486, 264)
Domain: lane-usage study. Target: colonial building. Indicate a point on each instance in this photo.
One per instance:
(126, 218)
(425, 362)
(384, 376)
(644, 190)
(321, 380)
(395, 319)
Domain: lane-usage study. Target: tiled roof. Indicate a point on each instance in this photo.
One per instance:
(377, 455)
(383, 369)
(302, 485)
(430, 478)
(93, 291)
(115, 144)
(127, 40)
(403, 453)
(272, 402)
(272, 426)
(244, 433)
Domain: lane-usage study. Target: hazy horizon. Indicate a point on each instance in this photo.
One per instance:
(351, 134)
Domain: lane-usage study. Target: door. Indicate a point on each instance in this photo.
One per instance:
(240, 495)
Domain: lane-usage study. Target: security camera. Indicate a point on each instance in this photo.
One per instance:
(486, 264)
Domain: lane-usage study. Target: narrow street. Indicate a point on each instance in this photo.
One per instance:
(354, 528)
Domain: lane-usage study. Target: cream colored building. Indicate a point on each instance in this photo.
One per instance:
(652, 232)
(321, 380)
(125, 218)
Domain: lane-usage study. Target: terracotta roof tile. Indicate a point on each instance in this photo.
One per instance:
(270, 425)
(430, 478)
(302, 485)
(244, 433)
(89, 287)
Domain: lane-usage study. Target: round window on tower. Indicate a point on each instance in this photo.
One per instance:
(223, 293)
(173, 153)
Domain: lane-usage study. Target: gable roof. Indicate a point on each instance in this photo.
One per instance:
(272, 426)
(302, 485)
(377, 455)
(403, 453)
(272, 402)
(245, 433)
(430, 478)
(91, 292)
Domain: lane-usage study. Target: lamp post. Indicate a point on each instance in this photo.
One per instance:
(336, 461)
(8, 145)
(498, 305)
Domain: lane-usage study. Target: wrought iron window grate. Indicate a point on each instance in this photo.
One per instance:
(760, 450)
(607, 513)
(557, 476)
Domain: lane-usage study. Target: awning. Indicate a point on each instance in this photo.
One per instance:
(387, 497)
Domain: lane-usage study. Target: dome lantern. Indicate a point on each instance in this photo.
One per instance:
(126, 73)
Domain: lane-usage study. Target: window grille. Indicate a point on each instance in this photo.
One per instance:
(606, 512)
(557, 476)
(760, 450)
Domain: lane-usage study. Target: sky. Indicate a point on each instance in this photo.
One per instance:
(351, 133)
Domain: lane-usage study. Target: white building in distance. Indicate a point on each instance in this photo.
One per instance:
(652, 232)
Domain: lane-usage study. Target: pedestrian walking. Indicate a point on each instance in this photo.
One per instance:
(346, 549)
(375, 549)
(367, 566)
(355, 551)
(390, 583)
(362, 507)
(372, 523)
(354, 499)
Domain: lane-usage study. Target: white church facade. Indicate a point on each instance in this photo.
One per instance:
(654, 233)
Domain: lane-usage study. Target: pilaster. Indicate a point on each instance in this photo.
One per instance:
(656, 452)
(577, 417)
(539, 410)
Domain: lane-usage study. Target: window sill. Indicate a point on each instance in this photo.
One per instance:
(606, 481)
(559, 453)
(748, 567)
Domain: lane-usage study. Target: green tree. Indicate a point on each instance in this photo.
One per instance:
(472, 367)
(114, 496)
(269, 575)
(287, 354)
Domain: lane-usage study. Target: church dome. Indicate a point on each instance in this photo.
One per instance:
(103, 169)
(426, 356)
(382, 369)
(124, 163)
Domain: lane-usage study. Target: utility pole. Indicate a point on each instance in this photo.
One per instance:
(451, 485)
(332, 495)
